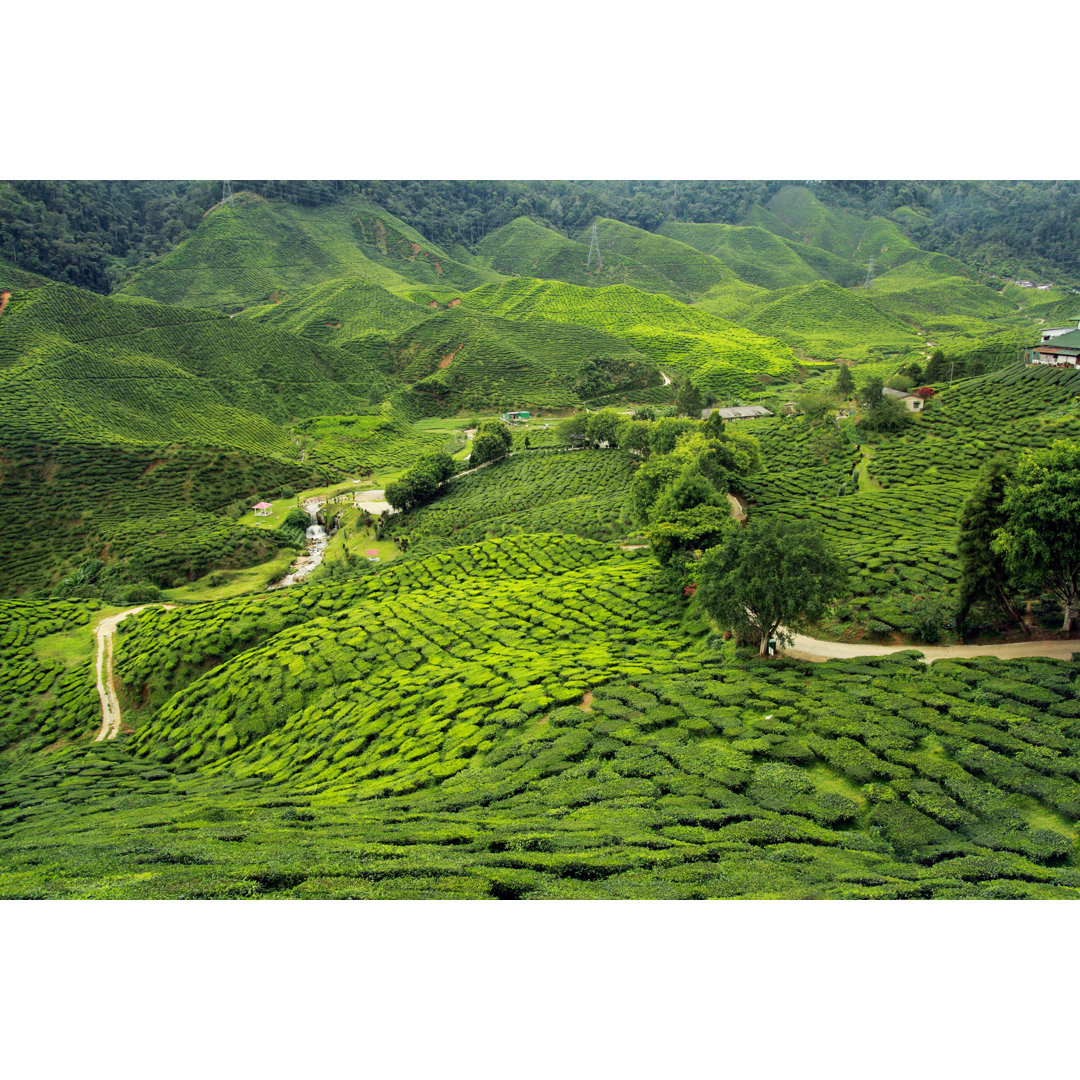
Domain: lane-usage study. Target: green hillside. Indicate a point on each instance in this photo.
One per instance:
(525, 718)
(847, 234)
(350, 313)
(925, 292)
(627, 256)
(458, 359)
(826, 321)
(718, 355)
(76, 364)
(757, 256)
(253, 250)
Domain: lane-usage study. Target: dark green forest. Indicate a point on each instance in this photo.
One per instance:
(95, 233)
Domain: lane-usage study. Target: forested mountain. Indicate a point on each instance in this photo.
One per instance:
(95, 233)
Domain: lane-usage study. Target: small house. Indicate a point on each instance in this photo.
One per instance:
(1056, 331)
(1060, 348)
(515, 417)
(737, 412)
(262, 509)
(909, 401)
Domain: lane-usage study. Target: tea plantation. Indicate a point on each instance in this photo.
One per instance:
(522, 702)
(537, 717)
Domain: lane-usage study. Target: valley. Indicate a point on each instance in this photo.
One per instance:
(342, 561)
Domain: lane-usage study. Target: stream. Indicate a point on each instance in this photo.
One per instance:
(316, 541)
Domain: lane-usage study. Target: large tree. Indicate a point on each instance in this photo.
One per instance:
(983, 577)
(845, 383)
(492, 441)
(1040, 540)
(770, 576)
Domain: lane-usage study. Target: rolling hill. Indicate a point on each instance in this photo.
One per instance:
(253, 250)
(717, 355)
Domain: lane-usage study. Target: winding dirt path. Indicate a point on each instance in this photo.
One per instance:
(105, 631)
(664, 376)
(817, 651)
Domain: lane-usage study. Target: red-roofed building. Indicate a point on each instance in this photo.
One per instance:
(262, 509)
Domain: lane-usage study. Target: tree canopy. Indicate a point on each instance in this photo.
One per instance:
(772, 575)
(1040, 540)
(983, 576)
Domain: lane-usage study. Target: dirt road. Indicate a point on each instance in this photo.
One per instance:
(106, 688)
(813, 649)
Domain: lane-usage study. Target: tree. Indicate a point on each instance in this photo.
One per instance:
(601, 425)
(769, 576)
(887, 415)
(814, 406)
(871, 393)
(845, 383)
(574, 429)
(699, 528)
(492, 441)
(983, 577)
(688, 401)
(633, 437)
(937, 369)
(421, 481)
(1040, 541)
(648, 483)
(665, 433)
(688, 490)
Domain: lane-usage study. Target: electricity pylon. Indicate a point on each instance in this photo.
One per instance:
(594, 246)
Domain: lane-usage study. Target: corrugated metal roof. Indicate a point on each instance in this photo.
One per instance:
(737, 412)
(1070, 340)
(897, 393)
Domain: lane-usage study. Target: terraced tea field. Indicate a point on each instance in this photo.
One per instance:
(535, 717)
(900, 530)
(581, 491)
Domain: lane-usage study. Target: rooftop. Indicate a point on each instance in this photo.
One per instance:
(897, 393)
(1070, 340)
(738, 412)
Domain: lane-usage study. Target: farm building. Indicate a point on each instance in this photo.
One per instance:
(1057, 331)
(1060, 349)
(737, 412)
(910, 401)
(515, 417)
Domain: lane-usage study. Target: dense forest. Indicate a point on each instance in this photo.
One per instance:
(95, 233)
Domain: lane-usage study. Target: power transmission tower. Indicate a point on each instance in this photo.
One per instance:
(594, 247)
(226, 192)
(869, 274)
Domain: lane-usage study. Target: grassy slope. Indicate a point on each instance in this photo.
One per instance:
(717, 354)
(899, 532)
(757, 256)
(827, 321)
(114, 409)
(455, 358)
(256, 250)
(535, 717)
(628, 256)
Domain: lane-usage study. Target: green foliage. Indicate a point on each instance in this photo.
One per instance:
(1040, 542)
(983, 577)
(492, 441)
(769, 574)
